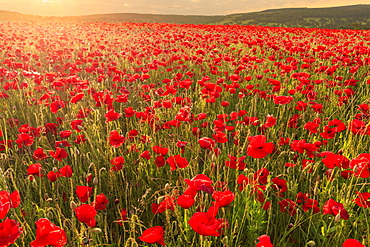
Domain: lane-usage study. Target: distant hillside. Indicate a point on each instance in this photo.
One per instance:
(345, 17)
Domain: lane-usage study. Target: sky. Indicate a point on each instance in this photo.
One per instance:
(184, 7)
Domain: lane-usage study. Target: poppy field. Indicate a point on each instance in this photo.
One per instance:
(183, 135)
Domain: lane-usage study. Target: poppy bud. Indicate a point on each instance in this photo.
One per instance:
(96, 230)
(73, 205)
(311, 243)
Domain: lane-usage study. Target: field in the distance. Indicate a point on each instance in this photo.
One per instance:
(183, 135)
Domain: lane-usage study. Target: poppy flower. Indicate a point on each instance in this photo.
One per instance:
(86, 214)
(55, 106)
(200, 182)
(223, 198)
(80, 139)
(117, 163)
(59, 154)
(282, 100)
(206, 225)
(258, 147)
(15, 199)
(176, 161)
(24, 140)
(153, 235)
(115, 139)
(167, 203)
(206, 143)
(263, 241)
(145, 155)
(363, 199)
(77, 98)
(361, 165)
(65, 134)
(66, 171)
(160, 150)
(100, 202)
(77, 125)
(5, 203)
(159, 161)
(48, 233)
(334, 208)
(34, 170)
(9, 232)
(352, 243)
(52, 176)
(185, 201)
(83, 193)
(39, 154)
(288, 205)
(123, 218)
(111, 115)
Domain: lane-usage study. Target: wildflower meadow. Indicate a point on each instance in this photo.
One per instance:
(183, 135)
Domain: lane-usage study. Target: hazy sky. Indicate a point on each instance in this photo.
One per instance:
(186, 7)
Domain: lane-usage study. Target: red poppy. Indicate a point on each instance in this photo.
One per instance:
(206, 225)
(176, 161)
(263, 241)
(86, 214)
(80, 139)
(123, 218)
(66, 171)
(145, 155)
(159, 161)
(48, 233)
(59, 154)
(288, 205)
(206, 143)
(153, 235)
(335, 160)
(77, 98)
(258, 148)
(200, 182)
(111, 115)
(56, 105)
(39, 154)
(167, 203)
(100, 202)
(363, 199)
(160, 150)
(83, 193)
(282, 100)
(220, 137)
(65, 134)
(15, 199)
(117, 163)
(116, 140)
(361, 165)
(34, 170)
(24, 140)
(9, 232)
(77, 125)
(52, 176)
(223, 198)
(185, 201)
(334, 208)
(352, 243)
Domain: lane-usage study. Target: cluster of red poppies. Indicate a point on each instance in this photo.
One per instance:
(276, 115)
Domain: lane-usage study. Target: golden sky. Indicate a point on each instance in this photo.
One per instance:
(187, 7)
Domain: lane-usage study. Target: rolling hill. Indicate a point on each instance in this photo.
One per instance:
(344, 17)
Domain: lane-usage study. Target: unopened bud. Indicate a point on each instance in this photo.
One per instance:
(311, 243)
(73, 205)
(95, 230)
